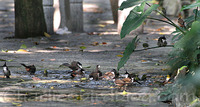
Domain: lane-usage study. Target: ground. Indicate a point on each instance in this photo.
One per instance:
(103, 47)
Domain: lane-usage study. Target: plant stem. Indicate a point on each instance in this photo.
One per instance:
(152, 48)
(160, 20)
(196, 14)
(172, 23)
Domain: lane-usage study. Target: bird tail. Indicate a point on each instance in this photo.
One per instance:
(23, 65)
(7, 76)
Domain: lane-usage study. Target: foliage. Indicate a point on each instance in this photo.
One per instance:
(128, 51)
(186, 50)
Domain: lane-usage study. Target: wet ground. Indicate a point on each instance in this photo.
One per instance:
(58, 89)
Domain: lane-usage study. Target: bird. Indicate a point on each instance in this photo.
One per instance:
(110, 75)
(78, 73)
(181, 22)
(133, 77)
(75, 65)
(30, 68)
(145, 45)
(6, 71)
(96, 74)
(162, 41)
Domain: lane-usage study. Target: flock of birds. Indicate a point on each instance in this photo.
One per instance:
(79, 72)
(113, 75)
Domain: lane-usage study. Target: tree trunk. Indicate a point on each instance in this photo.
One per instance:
(29, 18)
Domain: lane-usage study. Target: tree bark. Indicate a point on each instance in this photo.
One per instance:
(29, 18)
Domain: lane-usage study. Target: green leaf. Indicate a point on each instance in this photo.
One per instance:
(194, 5)
(82, 47)
(6, 60)
(23, 46)
(130, 3)
(128, 51)
(135, 19)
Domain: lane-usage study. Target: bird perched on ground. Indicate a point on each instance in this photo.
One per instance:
(162, 41)
(6, 71)
(96, 74)
(78, 73)
(30, 68)
(133, 77)
(110, 75)
(75, 65)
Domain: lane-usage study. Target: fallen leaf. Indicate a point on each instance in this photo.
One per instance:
(42, 59)
(100, 25)
(143, 61)
(17, 104)
(158, 30)
(36, 78)
(104, 43)
(22, 50)
(54, 47)
(79, 97)
(111, 87)
(156, 39)
(83, 79)
(67, 50)
(119, 55)
(161, 33)
(117, 45)
(149, 53)
(47, 35)
(82, 47)
(52, 59)
(122, 52)
(9, 60)
(164, 69)
(4, 51)
(95, 43)
(51, 87)
(124, 92)
(23, 46)
(82, 90)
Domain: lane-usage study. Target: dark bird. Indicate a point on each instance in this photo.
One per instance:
(6, 71)
(110, 75)
(145, 45)
(75, 65)
(31, 68)
(162, 41)
(96, 74)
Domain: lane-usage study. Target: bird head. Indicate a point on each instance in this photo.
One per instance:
(4, 64)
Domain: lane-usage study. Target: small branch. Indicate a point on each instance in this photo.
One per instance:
(160, 20)
(196, 14)
(172, 23)
(152, 48)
